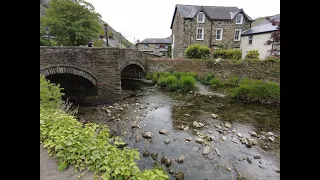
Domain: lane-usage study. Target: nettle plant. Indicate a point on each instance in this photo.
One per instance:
(87, 146)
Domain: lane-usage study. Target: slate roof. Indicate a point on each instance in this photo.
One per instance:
(265, 21)
(156, 41)
(213, 12)
(259, 29)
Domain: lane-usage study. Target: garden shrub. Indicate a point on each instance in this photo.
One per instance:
(232, 81)
(170, 82)
(206, 79)
(216, 83)
(232, 54)
(253, 54)
(197, 51)
(272, 59)
(187, 83)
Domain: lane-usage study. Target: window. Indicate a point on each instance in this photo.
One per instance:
(237, 34)
(161, 45)
(146, 46)
(200, 17)
(166, 46)
(200, 32)
(219, 33)
(157, 46)
(250, 39)
(164, 54)
(239, 19)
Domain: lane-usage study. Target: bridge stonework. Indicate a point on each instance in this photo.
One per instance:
(101, 66)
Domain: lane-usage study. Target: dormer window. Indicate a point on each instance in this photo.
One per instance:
(239, 19)
(200, 17)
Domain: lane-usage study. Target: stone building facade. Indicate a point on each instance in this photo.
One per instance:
(156, 46)
(187, 27)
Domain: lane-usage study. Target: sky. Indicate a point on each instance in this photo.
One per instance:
(140, 19)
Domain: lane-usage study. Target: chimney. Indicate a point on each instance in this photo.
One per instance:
(138, 41)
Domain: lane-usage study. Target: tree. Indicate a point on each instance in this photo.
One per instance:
(275, 35)
(72, 22)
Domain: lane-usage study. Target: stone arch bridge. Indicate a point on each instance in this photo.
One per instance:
(100, 67)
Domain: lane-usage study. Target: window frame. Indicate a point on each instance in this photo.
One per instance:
(146, 46)
(157, 46)
(239, 36)
(221, 34)
(241, 19)
(202, 34)
(202, 17)
(250, 37)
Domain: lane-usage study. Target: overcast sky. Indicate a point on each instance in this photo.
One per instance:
(142, 19)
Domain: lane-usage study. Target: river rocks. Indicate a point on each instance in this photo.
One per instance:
(197, 125)
(211, 137)
(110, 107)
(188, 115)
(206, 150)
(195, 149)
(138, 137)
(167, 141)
(154, 156)
(145, 154)
(181, 159)
(227, 125)
(262, 137)
(217, 126)
(229, 169)
(241, 158)
(249, 160)
(276, 170)
(163, 159)
(214, 116)
(262, 167)
(253, 141)
(147, 135)
(108, 111)
(121, 109)
(116, 104)
(240, 135)
(199, 140)
(210, 132)
(135, 125)
(179, 175)
(137, 104)
(188, 139)
(256, 157)
(217, 151)
(271, 139)
(186, 128)
(141, 107)
(108, 115)
(170, 171)
(270, 134)
(164, 131)
(167, 162)
(248, 143)
(254, 134)
(224, 138)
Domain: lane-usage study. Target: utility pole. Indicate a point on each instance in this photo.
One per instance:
(106, 29)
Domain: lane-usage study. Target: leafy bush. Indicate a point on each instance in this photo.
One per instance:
(197, 51)
(216, 83)
(272, 59)
(98, 43)
(206, 79)
(253, 54)
(187, 83)
(170, 83)
(181, 74)
(232, 81)
(233, 54)
(86, 146)
(257, 90)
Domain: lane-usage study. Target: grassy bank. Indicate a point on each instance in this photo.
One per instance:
(87, 146)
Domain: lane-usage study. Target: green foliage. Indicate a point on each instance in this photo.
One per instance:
(87, 146)
(98, 43)
(71, 22)
(272, 59)
(232, 54)
(187, 83)
(197, 51)
(216, 83)
(170, 83)
(253, 54)
(232, 81)
(223, 46)
(50, 95)
(257, 90)
(169, 51)
(206, 79)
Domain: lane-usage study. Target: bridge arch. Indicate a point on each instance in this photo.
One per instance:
(68, 70)
(132, 62)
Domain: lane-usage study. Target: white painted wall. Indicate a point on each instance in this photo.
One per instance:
(258, 41)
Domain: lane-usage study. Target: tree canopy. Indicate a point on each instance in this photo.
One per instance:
(72, 22)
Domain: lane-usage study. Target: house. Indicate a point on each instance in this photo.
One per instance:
(207, 25)
(113, 43)
(256, 37)
(157, 46)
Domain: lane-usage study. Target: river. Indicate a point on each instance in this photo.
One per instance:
(153, 110)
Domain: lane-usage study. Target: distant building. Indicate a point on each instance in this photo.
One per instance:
(256, 37)
(156, 46)
(113, 43)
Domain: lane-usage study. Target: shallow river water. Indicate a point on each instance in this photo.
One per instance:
(157, 110)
